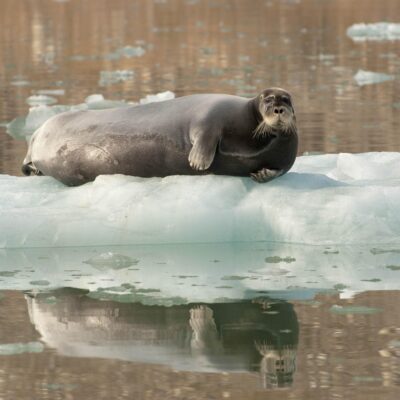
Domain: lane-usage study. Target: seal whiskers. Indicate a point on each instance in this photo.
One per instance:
(263, 129)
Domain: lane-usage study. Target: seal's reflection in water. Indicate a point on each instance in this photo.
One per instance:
(259, 335)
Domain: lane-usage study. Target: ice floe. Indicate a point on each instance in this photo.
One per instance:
(375, 31)
(368, 77)
(325, 199)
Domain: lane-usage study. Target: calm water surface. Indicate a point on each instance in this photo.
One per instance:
(72, 345)
(79, 347)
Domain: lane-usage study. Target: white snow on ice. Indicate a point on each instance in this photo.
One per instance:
(376, 31)
(325, 199)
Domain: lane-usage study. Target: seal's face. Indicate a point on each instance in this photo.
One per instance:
(277, 112)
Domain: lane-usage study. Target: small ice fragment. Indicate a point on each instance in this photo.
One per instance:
(16, 128)
(152, 98)
(127, 51)
(20, 82)
(367, 77)
(111, 260)
(19, 348)
(94, 98)
(336, 309)
(98, 102)
(111, 77)
(277, 259)
(40, 283)
(40, 99)
(326, 57)
(130, 51)
(37, 116)
(377, 31)
(51, 92)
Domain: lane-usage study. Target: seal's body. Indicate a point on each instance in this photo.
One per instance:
(197, 134)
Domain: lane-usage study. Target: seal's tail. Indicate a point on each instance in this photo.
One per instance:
(28, 168)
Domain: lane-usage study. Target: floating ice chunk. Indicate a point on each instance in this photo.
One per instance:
(329, 199)
(354, 310)
(19, 348)
(98, 102)
(111, 260)
(112, 77)
(130, 51)
(152, 98)
(20, 82)
(94, 98)
(38, 116)
(367, 77)
(40, 99)
(377, 31)
(126, 51)
(51, 92)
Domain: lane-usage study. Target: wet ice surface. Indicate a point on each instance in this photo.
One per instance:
(375, 31)
(327, 199)
(183, 274)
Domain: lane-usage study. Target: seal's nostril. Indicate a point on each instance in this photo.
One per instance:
(281, 111)
(276, 110)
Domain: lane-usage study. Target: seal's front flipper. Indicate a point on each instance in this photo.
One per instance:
(203, 151)
(266, 175)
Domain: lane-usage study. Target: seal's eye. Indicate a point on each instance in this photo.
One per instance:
(271, 97)
(285, 99)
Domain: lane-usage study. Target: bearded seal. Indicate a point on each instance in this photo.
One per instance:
(196, 134)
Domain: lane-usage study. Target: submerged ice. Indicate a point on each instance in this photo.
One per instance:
(325, 199)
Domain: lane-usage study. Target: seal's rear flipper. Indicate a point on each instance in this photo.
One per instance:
(29, 169)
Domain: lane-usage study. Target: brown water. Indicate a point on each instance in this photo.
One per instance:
(195, 46)
(351, 354)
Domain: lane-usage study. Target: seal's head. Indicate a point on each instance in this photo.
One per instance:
(277, 112)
